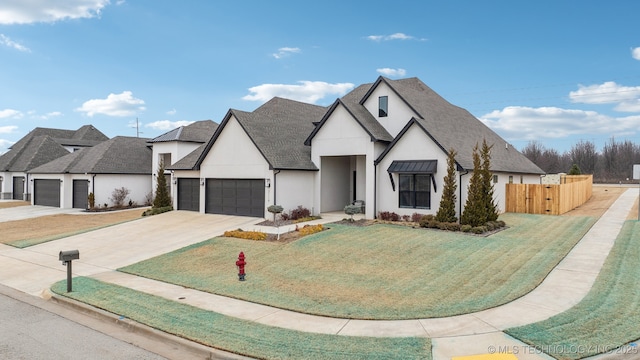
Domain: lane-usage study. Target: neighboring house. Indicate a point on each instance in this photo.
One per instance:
(119, 162)
(176, 144)
(383, 144)
(39, 147)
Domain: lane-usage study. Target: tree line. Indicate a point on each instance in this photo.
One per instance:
(612, 164)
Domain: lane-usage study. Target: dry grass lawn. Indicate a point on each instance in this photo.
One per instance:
(10, 204)
(28, 232)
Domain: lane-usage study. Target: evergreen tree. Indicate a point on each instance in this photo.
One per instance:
(474, 212)
(575, 170)
(491, 209)
(162, 198)
(447, 210)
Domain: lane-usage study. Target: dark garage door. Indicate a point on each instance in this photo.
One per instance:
(189, 194)
(46, 192)
(18, 188)
(80, 194)
(243, 197)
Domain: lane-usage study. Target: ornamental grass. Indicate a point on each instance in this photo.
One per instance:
(606, 319)
(235, 335)
(380, 271)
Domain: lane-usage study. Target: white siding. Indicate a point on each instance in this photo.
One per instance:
(414, 145)
(399, 113)
(294, 188)
(177, 149)
(102, 186)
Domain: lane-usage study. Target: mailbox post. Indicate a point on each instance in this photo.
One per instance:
(67, 257)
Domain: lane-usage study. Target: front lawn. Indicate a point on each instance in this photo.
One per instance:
(607, 318)
(29, 232)
(235, 335)
(380, 271)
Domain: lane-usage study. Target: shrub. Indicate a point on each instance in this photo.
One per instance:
(452, 226)
(478, 229)
(310, 229)
(490, 226)
(406, 218)
(248, 235)
(118, 196)
(441, 225)
(299, 213)
(284, 216)
(92, 200)
(466, 228)
(156, 211)
(415, 217)
(352, 210)
(275, 209)
(148, 199)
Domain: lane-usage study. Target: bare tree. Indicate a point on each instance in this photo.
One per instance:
(585, 156)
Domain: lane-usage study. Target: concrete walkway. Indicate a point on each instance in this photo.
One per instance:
(36, 268)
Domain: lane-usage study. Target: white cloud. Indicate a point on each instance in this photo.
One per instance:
(4, 145)
(34, 11)
(526, 123)
(392, 72)
(10, 113)
(123, 104)
(167, 125)
(50, 115)
(636, 53)
(396, 36)
(285, 51)
(627, 97)
(4, 40)
(8, 129)
(172, 112)
(306, 91)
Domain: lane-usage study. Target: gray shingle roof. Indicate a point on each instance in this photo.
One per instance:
(120, 155)
(43, 145)
(199, 131)
(188, 162)
(452, 127)
(278, 129)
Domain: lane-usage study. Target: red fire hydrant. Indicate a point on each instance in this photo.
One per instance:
(240, 264)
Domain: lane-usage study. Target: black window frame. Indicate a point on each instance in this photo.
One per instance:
(413, 196)
(383, 106)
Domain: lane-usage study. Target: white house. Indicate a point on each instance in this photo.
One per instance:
(384, 144)
(119, 162)
(38, 147)
(173, 145)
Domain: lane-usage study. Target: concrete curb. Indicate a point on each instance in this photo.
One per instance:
(194, 349)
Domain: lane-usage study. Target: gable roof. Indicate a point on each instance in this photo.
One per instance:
(42, 145)
(452, 127)
(198, 132)
(189, 161)
(277, 129)
(120, 155)
(360, 114)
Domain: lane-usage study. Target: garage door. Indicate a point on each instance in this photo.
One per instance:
(18, 188)
(243, 197)
(80, 194)
(189, 194)
(46, 192)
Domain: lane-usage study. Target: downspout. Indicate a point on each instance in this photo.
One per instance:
(375, 189)
(275, 186)
(26, 184)
(93, 184)
(460, 190)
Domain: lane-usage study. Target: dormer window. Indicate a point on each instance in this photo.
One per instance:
(383, 106)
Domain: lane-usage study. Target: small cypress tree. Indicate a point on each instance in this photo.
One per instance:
(491, 209)
(447, 210)
(162, 198)
(575, 170)
(474, 213)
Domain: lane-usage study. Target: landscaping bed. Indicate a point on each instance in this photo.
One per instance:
(379, 271)
(606, 319)
(235, 335)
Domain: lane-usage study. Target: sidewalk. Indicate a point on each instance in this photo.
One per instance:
(462, 335)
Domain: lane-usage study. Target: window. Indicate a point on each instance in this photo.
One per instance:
(495, 179)
(415, 191)
(383, 106)
(521, 180)
(510, 179)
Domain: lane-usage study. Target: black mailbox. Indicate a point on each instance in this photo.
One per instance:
(69, 255)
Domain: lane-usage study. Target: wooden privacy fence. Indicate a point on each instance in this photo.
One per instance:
(552, 199)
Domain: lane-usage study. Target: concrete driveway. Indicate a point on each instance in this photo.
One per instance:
(34, 269)
(32, 211)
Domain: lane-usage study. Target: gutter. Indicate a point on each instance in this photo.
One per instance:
(275, 186)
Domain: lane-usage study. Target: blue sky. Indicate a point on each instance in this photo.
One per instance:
(552, 71)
